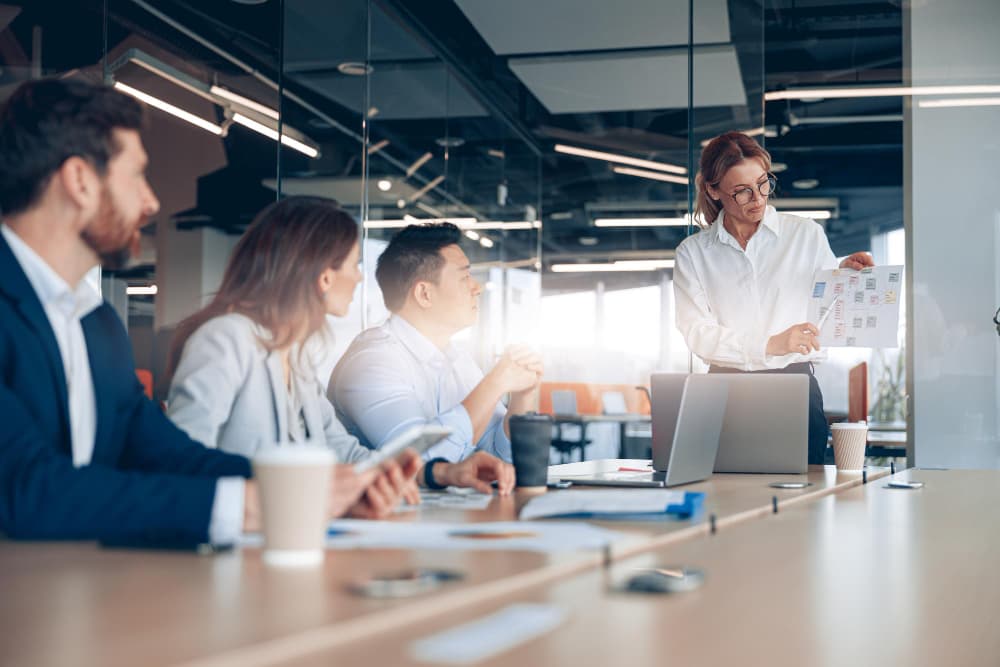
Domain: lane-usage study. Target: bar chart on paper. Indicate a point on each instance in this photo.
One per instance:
(865, 306)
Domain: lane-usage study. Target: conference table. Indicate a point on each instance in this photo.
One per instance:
(76, 603)
(869, 575)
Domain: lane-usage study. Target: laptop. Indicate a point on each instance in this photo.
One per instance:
(766, 427)
(685, 453)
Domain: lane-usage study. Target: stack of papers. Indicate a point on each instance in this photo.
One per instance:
(631, 504)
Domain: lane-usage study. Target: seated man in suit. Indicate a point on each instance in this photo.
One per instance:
(407, 371)
(83, 453)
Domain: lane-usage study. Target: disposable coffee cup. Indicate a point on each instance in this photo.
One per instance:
(294, 483)
(530, 440)
(849, 440)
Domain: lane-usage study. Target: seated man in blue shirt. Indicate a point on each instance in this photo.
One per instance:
(407, 371)
(83, 453)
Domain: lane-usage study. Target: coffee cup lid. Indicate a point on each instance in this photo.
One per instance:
(532, 416)
(292, 454)
(850, 426)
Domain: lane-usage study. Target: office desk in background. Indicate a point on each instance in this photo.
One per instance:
(868, 576)
(73, 603)
(584, 421)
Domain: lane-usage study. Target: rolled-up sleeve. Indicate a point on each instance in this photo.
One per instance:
(347, 447)
(377, 400)
(705, 337)
(495, 441)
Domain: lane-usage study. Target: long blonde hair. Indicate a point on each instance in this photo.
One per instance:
(719, 156)
(271, 275)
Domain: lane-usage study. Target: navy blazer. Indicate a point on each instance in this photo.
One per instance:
(147, 481)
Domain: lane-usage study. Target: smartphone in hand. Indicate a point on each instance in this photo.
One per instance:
(420, 438)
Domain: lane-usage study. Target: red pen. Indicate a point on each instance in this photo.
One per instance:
(633, 469)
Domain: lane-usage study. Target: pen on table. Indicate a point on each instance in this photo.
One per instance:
(829, 309)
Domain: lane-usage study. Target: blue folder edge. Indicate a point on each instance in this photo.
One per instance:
(692, 505)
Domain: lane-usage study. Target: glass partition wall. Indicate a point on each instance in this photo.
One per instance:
(438, 152)
(567, 156)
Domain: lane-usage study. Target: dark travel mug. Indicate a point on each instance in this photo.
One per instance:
(530, 439)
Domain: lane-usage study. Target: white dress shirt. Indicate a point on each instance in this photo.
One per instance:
(65, 307)
(730, 301)
(393, 377)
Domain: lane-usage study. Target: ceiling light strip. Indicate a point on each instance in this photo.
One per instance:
(960, 102)
(419, 162)
(815, 214)
(461, 223)
(616, 267)
(642, 222)
(427, 188)
(655, 175)
(376, 147)
(244, 101)
(878, 91)
(620, 159)
(272, 134)
(169, 108)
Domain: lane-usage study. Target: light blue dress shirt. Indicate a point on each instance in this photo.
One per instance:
(392, 377)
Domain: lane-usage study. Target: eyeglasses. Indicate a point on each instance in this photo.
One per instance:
(744, 196)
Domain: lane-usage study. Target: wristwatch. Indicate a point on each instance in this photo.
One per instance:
(429, 480)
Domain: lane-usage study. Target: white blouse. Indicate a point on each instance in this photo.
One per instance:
(730, 301)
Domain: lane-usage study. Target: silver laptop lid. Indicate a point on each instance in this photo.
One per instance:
(766, 429)
(699, 425)
(666, 391)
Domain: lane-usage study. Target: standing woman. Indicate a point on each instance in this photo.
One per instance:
(743, 283)
(241, 369)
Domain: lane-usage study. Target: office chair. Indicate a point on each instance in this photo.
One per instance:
(564, 404)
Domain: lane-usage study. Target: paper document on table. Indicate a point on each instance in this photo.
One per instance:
(601, 503)
(865, 305)
(484, 536)
(489, 636)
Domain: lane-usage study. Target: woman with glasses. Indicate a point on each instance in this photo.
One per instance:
(743, 283)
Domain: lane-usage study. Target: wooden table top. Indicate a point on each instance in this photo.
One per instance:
(868, 576)
(73, 603)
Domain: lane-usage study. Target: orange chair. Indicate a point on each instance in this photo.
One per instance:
(146, 378)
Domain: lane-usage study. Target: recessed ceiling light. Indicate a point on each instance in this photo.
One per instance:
(401, 203)
(805, 183)
(562, 215)
(351, 68)
(778, 167)
(587, 240)
(384, 184)
(449, 142)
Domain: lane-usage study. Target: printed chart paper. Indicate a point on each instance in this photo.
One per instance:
(865, 306)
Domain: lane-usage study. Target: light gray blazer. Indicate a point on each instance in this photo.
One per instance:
(229, 392)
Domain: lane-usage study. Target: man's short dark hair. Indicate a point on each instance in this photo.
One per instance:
(413, 254)
(46, 122)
